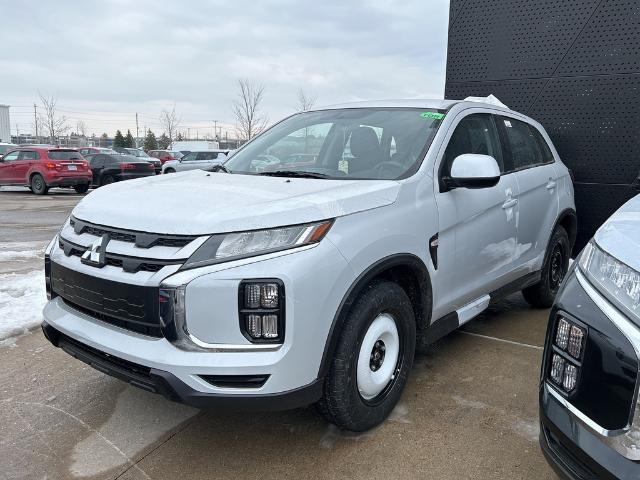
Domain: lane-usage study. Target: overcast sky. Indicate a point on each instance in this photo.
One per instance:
(106, 60)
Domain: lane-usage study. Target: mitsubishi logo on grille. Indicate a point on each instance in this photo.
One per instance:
(96, 255)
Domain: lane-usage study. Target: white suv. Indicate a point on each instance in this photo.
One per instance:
(314, 282)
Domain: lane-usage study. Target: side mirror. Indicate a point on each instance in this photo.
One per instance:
(473, 171)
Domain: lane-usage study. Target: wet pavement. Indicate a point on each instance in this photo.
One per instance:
(469, 410)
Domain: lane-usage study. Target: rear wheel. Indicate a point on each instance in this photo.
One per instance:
(107, 179)
(372, 360)
(83, 188)
(554, 268)
(38, 185)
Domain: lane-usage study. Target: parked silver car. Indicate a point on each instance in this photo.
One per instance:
(202, 160)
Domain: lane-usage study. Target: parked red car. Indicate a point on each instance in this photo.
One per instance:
(165, 155)
(41, 168)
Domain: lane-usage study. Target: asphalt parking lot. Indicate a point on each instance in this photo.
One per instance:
(469, 411)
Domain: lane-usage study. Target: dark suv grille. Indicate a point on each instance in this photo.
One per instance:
(141, 239)
(132, 307)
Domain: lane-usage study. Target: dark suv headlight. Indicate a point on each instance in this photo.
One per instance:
(615, 280)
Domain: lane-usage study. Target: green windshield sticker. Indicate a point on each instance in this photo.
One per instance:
(434, 115)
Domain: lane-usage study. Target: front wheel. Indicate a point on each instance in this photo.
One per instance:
(169, 170)
(38, 185)
(372, 360)
(554, 268)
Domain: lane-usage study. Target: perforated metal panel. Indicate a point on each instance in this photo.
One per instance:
(572, 65)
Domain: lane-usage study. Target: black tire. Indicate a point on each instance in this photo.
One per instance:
(38, 185)
(106, 180)
(83, 188)
(554, 269)
(169, 170)
(342, 403)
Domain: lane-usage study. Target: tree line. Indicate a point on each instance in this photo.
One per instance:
(246, 107)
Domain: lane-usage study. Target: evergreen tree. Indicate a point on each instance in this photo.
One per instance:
(104, 139)
(118, 140)
(150, 141)
(129, 141)
(164, 142)
(179, 137)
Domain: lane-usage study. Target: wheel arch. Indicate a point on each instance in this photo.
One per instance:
(408, 271)
(568, 219)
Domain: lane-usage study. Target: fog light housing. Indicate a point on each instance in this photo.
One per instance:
(261, 308)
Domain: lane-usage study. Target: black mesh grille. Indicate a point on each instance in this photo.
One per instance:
(132, 307)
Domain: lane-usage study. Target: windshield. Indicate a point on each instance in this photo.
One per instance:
(176, 155)
(363, 143)
(64, 155)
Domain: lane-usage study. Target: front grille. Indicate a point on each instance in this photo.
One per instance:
(131, 307)
(140, 239)
(128, 264)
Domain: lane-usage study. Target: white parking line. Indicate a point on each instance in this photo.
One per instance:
(535, 347)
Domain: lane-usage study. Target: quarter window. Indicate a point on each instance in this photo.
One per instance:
(475, 133)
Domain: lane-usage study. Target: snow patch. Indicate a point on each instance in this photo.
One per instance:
(528, 430)
(22, 298)
(334, 434)
(463, 402)
(11, 255)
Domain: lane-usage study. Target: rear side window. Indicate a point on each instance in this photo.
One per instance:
(475, 133)
(64, 155)
(29, 155)
(527, 146)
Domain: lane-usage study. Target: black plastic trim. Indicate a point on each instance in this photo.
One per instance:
(423, 317)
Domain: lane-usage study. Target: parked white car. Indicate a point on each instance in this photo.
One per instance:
(314, 284)
(198, 160)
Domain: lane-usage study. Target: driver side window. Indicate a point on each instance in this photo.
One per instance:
(475, 133)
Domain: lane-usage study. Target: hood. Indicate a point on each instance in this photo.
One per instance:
(620, 235)
(199, 203)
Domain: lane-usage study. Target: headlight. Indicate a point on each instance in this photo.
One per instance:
(619, 282)
(232, 246)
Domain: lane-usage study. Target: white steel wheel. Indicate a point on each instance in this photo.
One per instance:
(378, 357)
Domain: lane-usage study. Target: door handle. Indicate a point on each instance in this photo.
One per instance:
(512, 202)
(551, 184)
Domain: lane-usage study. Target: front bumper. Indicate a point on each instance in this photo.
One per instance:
(315, 278)
(572, 439)
(171, 387)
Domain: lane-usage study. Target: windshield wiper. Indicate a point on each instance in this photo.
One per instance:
(294, 173)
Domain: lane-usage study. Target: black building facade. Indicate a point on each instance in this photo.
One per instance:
(573, 65)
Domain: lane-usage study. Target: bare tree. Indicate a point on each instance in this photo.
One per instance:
(305, 101)
(54, 125)
(246, 109)
(170, 122)
(81, 128)
(38, 127)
